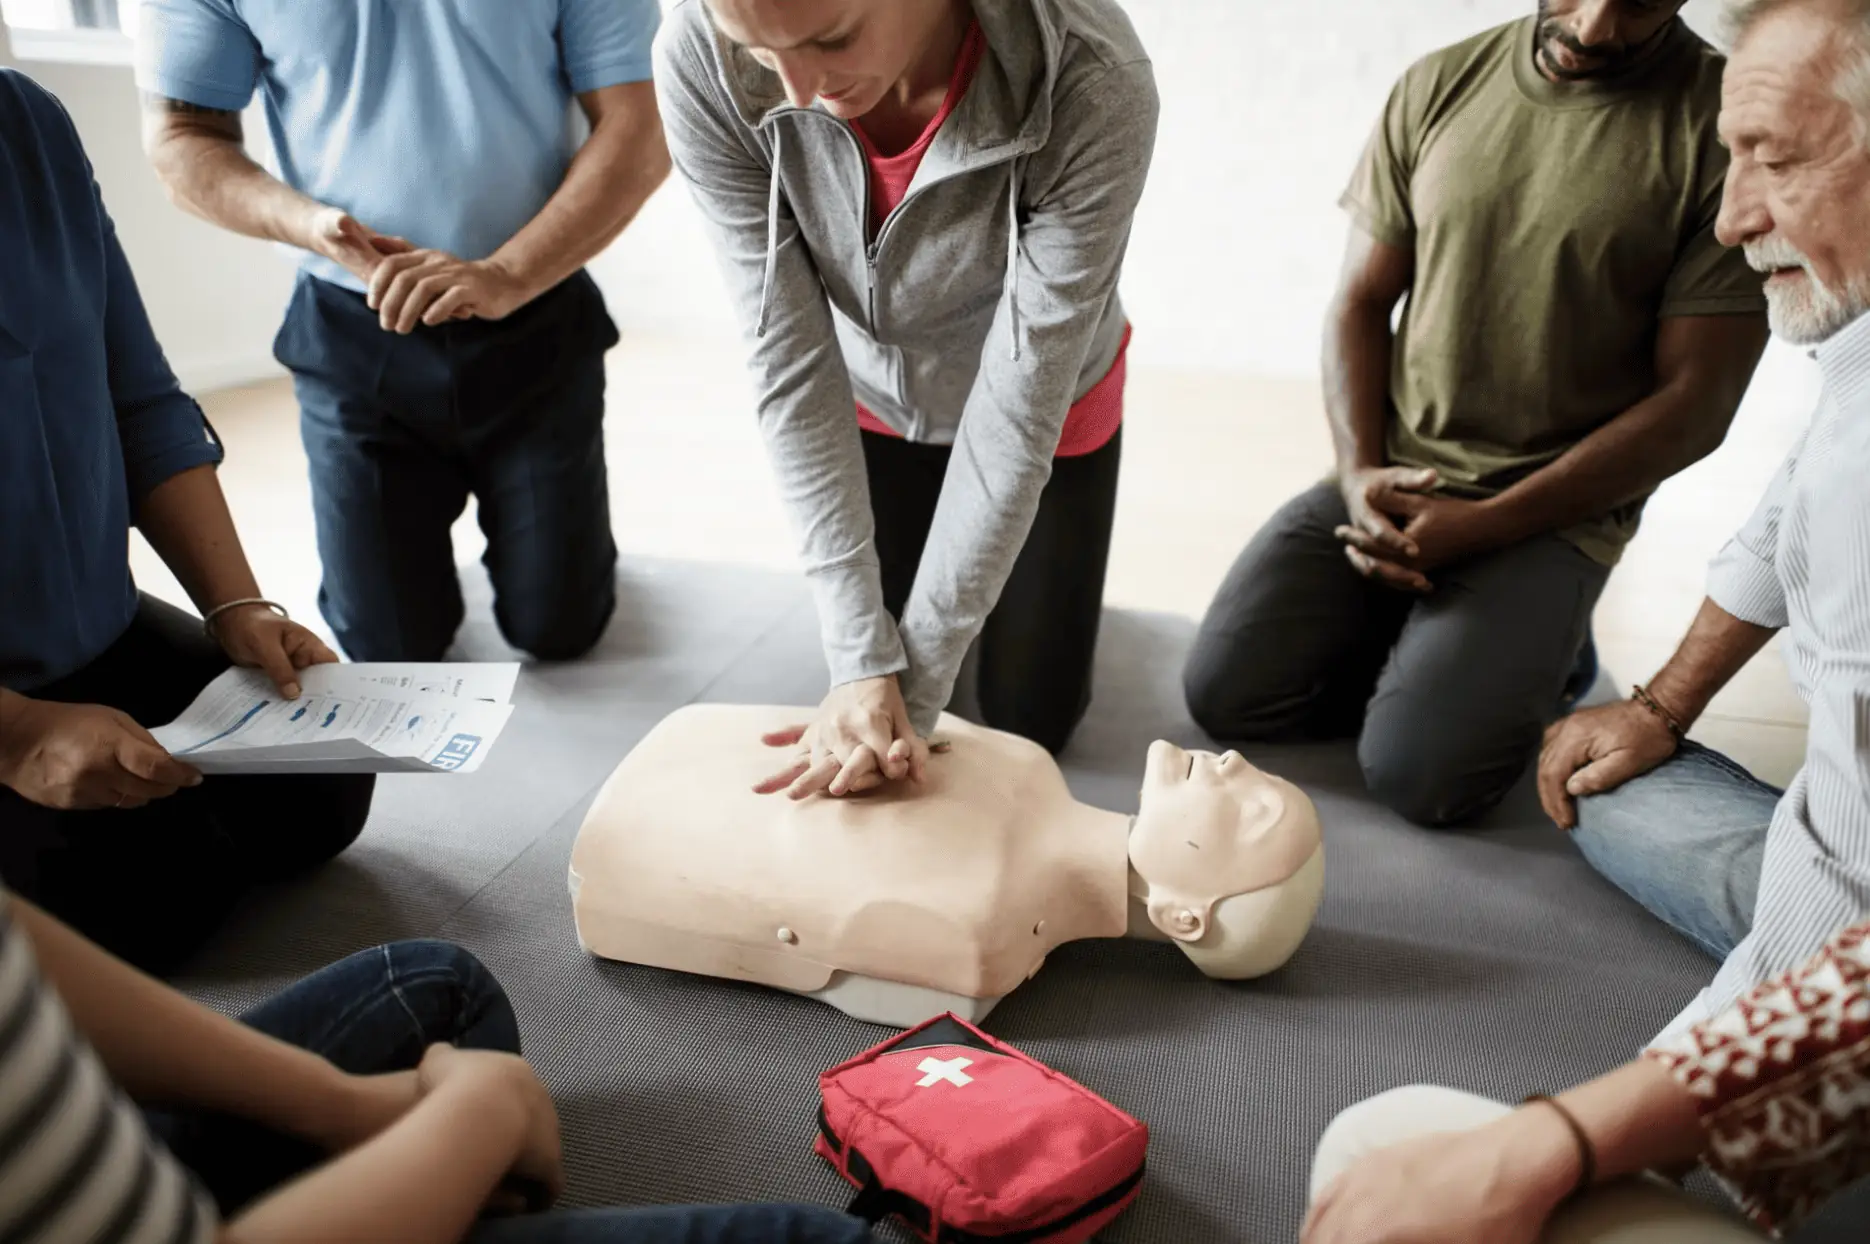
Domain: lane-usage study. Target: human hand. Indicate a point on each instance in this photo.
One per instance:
(255, 637)
(1370, 499)
(1444, 529)
(1439, 530)
(83, 756)
(1598, 750)
(860, 738)
(341, 238)
(432, 286)
(1494, 1185)
(1374, 543)
(538, 1173)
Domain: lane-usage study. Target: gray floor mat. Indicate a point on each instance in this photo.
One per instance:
(1492, 960)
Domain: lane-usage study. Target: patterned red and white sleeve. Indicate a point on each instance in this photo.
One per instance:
(1782, 1082)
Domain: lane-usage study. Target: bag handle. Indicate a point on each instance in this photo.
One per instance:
(873, 1203)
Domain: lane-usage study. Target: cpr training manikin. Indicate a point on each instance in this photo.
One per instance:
(913, 901)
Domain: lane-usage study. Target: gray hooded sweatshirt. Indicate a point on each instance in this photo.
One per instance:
(979, 312)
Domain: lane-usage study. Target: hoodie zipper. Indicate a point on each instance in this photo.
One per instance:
(873, 247)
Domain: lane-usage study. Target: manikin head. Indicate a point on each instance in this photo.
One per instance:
(1795, 112)
(1584, 39)
(846, 53)
(1228, 860)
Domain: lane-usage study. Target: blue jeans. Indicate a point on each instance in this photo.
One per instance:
(1685, 841)
(376, 1012)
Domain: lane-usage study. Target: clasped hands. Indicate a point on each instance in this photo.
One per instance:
(1399, 532)
(407, 285)
(860, 739)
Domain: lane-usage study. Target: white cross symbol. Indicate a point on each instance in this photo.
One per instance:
(936, 1071)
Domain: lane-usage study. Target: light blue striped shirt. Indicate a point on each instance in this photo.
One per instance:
(1802, 563)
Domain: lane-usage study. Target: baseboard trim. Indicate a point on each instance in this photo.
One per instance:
(206, 375)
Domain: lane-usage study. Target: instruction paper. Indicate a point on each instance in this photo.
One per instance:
(364, 718)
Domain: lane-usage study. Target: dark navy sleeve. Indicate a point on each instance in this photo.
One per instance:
(162, 429)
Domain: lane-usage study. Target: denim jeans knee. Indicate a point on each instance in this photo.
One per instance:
(1686, 842)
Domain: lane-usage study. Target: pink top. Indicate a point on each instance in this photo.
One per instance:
(1094, 418)
(1782, 1082)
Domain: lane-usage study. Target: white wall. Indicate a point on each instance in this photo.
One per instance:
(215, 299)
(1266, 104)
(1265, 107)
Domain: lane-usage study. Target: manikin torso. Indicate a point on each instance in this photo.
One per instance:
(910, 901)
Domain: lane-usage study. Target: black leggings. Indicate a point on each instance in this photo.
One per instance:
(1037, 648)
(151, 884)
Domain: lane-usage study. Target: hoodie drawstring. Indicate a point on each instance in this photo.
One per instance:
(1011, 288)
(772, 242)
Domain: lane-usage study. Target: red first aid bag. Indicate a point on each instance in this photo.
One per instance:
(969, 1141)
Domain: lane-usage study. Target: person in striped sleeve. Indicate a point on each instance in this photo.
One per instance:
(380, 1099)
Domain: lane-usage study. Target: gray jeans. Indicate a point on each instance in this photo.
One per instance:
(1449, 694)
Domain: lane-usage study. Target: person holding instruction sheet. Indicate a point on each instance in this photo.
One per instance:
(98, 822)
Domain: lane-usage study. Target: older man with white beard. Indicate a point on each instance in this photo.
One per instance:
(1766, 1077)
(1755, 876)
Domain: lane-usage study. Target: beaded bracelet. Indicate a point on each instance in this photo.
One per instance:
(207, 623)
(1642, 696)
(1587, 1153)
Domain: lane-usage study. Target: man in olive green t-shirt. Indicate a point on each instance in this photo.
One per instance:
(1544, 194)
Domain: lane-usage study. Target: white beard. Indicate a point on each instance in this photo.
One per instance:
(1805, 312)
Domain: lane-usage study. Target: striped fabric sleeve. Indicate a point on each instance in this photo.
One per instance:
(1744, 577)
(76, 1159)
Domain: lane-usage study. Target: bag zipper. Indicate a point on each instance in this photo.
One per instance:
(954, 1235)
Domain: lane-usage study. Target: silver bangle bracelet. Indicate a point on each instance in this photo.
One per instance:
(207, 622)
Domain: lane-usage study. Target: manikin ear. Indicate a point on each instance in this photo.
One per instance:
(1184, 921)
(1252, 934)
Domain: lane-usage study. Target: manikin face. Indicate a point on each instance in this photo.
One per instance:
(1798, 188)
(1581, 39)
(1211, 827)
(846, 53)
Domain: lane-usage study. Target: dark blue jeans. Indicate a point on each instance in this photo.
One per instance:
(376, 1012)
(401, 430)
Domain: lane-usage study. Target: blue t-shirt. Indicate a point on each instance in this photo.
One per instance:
(446, 122)
(91, 418)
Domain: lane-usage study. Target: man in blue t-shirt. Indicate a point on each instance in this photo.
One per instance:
(444, 338)
(97, 822)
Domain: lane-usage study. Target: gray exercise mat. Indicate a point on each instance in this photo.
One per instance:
(1492, 960)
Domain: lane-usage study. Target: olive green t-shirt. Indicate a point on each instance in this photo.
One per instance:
(1553, 227)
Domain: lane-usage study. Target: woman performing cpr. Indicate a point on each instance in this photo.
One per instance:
(922, 208)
